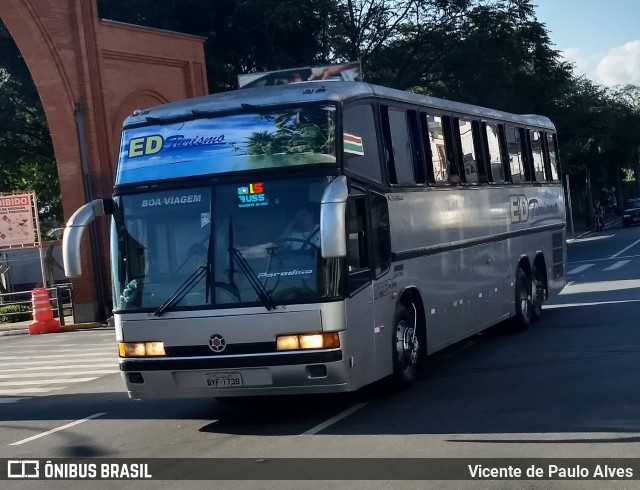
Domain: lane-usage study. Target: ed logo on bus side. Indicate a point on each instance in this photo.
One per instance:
(519, 208)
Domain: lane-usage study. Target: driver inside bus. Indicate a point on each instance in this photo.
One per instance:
(302, 233)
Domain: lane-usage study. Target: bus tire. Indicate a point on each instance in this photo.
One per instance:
(406, 349)
(536, 306)
(522, 320)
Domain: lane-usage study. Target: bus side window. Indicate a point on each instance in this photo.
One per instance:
(360, 144)
(514, 148)
(527, 158)
(467, 149)
(380, 233)
(494, 157)
(438, 131)
(536, 152)
(358, 263)
(400, 154)
(433, 159)
(552, 153)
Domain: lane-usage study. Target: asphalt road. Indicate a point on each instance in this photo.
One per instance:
(565, 388)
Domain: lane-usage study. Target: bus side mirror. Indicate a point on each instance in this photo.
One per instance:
(333, 240)
(73, 235)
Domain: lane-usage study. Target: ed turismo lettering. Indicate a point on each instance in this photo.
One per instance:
(150, 145)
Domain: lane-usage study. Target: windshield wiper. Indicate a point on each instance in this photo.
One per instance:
(182, 290)
(257, 286)
(255, 283)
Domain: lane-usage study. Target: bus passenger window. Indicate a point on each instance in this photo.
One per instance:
(553, 156)
(515, 155)
(536, 151)
(469, 158)
(438, 149)
(360, 143)
(401, 145)
(495, 155)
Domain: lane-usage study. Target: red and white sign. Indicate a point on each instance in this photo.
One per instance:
(16, 220)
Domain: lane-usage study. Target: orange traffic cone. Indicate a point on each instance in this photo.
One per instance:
(43, 321)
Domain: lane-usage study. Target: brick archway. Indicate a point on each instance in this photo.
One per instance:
(93, 73)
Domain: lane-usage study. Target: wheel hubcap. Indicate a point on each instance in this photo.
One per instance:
(407, 345)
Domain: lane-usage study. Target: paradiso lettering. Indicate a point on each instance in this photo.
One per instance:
(155, 143)
(521, 208)
(252, 195)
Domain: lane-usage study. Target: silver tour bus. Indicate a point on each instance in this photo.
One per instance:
(320, 236)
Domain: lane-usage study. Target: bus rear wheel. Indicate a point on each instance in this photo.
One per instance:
(406, 348)
(522, 320)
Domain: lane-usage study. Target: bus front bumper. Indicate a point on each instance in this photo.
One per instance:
(270, 374)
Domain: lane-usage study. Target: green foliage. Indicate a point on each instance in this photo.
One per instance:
(15, 313)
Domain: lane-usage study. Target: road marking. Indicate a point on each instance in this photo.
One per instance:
(29, 391)
(333, 420)
(97, 372)
(37, 365)
(617, 265)
(47, 382)
(625, 249)
(13, 399)
(595, 303)
(579, 269)
(52, 356)
(77, 422)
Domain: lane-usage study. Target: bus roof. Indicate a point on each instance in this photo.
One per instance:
(315, 91)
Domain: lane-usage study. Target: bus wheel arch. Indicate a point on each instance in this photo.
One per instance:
(409, 344)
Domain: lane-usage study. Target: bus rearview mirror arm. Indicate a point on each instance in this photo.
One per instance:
(74, 230)
(333, 240)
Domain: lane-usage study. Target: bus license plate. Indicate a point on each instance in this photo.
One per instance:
(223, 380)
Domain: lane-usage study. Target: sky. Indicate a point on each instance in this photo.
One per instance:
(601, 38)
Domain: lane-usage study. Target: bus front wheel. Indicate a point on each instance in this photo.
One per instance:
(406, 348)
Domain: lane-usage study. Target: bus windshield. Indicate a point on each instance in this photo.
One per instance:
(237, 244)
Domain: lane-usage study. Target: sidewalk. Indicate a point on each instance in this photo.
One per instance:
(22, 328)
(580, 228)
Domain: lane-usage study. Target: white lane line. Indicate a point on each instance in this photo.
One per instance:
(617, 265)
(333, 420)
(47, 382)
(595, 303)
(42, 375)
(579, 269)
(53, 356)
(47, 349)
(49, 366)
(38, 436)
(29, 391)
(625, 249)
(12, 399)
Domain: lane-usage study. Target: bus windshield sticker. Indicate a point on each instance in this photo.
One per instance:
(284, 138)
(252, 195)
(353, 144)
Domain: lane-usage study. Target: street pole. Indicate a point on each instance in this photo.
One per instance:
(573, 233)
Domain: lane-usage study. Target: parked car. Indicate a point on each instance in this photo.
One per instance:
(631, 213)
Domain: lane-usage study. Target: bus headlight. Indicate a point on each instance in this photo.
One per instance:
(308, 341)
(140, 349)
